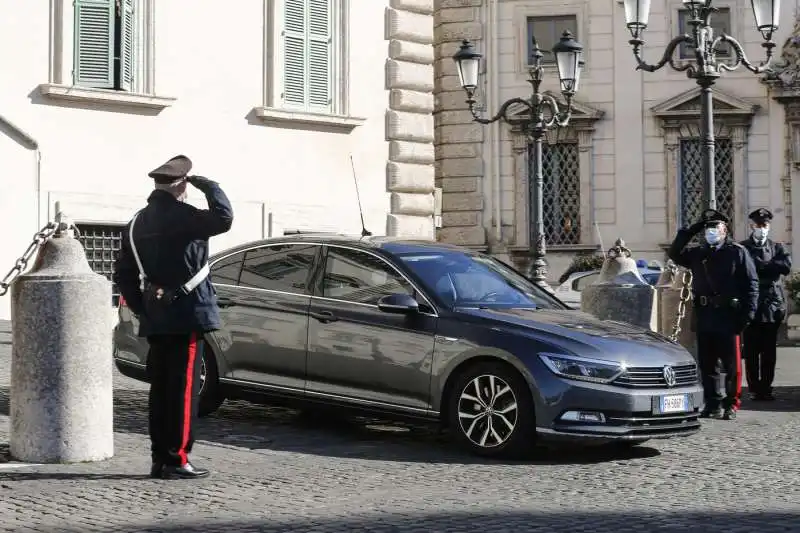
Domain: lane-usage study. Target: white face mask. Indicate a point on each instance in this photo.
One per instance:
(760, 233)
(713, 236)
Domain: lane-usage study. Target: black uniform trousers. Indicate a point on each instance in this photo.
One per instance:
(173, 367)
(724, 348)
(761, 355)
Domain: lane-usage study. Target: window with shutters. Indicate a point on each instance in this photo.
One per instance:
(309, 62)
(105, 44)
(102, 52)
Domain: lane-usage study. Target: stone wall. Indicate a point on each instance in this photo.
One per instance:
(409, 124)
(458, 140)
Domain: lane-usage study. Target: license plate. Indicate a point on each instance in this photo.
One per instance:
(678, 403)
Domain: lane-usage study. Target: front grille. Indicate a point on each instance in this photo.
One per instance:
(646, 424)
(653, 377)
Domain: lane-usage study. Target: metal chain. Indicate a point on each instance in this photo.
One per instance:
(686, 293)
(21, 264)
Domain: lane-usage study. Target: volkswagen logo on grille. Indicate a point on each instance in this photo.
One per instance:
(669, 376)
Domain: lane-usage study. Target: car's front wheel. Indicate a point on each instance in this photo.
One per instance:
(491, 411)
(210, 396)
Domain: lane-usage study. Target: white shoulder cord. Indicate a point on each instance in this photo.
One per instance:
(142, 277)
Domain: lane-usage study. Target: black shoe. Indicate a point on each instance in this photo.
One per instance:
(156, 470)
(187, 471)
(768, 397)
(730, 414)
(711, 413)
(756, 397)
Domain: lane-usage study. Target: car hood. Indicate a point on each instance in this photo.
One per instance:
(586, 335)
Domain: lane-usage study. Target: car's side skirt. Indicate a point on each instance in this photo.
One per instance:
(290, 397)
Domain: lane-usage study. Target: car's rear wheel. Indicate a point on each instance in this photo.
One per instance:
(210, 396)
(491, 411)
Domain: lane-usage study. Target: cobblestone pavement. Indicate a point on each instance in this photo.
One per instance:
(276, 470)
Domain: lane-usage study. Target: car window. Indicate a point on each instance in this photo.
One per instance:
(227, 271)
(584, 281)
(357, 276)
(279, 267)
(475, 280)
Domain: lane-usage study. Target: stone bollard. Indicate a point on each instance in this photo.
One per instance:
(620, 293)
(671, 289)
(61, 363)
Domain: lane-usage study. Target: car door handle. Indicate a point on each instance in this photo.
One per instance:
(224, 302)
(324, 316)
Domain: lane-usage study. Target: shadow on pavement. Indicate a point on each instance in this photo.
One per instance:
(64, 476)
(253, 427)
(787, 399)
(543, 522)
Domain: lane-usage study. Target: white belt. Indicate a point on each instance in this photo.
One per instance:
(196, 280)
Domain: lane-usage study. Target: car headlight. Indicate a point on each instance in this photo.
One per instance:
(572, 367)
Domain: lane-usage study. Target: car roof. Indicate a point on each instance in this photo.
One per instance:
(394, 245)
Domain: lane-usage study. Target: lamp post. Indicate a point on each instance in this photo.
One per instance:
(535, 116)
(708, 67)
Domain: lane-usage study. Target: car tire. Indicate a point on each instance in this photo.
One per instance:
(512, 431)
(210, 396)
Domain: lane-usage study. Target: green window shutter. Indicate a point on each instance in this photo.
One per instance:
(127, 49)
(319, 54)
(294, 53)
(94, 44)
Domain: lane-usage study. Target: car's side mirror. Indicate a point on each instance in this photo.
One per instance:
(398, 303)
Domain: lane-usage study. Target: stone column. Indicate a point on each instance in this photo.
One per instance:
(409, 124)
(61, 364)
(459, 140)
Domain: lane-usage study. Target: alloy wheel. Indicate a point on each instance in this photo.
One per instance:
(487, 411)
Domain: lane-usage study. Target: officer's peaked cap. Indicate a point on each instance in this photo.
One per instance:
(761, 215)
(712, 217)
(173, 170)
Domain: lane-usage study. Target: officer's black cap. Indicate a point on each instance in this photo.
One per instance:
(173, 170)
(760, 216)
(712, 217)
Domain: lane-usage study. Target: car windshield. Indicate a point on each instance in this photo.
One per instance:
(475, 280)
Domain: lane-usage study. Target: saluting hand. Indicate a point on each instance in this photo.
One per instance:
(199, 181)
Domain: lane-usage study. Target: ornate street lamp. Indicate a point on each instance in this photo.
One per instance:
(535, 116)
(708, 67)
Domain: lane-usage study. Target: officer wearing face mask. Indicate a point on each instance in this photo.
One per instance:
(725, 297)
(760, 338)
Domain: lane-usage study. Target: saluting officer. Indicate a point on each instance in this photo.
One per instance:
(725, 295)
(761, 336)
(162, 272)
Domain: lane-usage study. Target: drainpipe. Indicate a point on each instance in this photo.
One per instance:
(31, 144)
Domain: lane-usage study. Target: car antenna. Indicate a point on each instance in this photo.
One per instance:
(364, 231)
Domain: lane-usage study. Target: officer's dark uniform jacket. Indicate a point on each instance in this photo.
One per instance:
(724, 283)
(771, 261)
(172, 241)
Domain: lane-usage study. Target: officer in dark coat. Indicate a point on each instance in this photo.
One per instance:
(761, 336)
(164, 280)
(725, 296)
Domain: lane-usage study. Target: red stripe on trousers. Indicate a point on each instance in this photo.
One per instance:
(738, 402)
(187, 399)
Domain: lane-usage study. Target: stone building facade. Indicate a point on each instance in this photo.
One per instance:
(628, 165)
